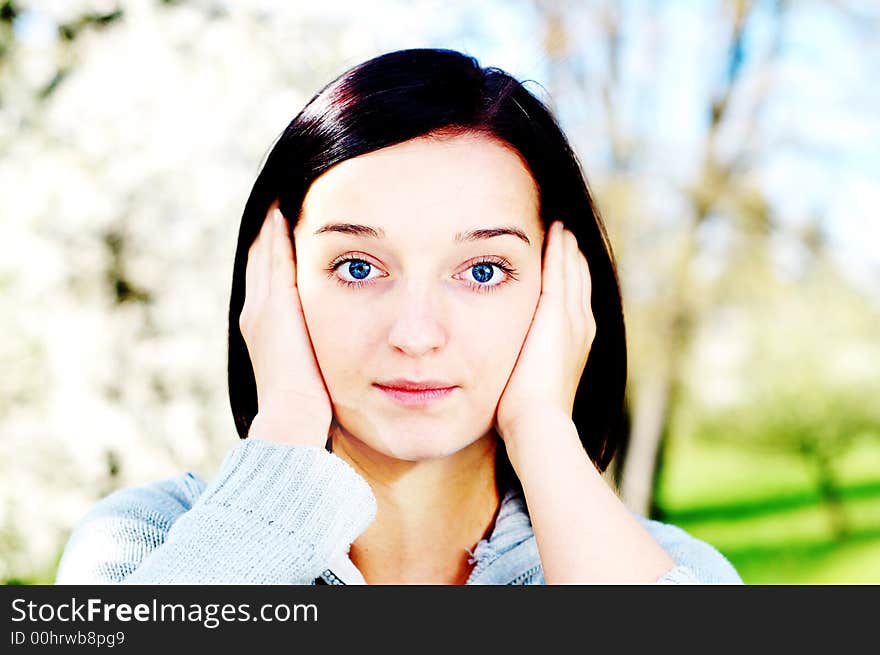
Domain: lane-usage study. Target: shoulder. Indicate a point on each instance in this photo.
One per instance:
(114, 536)
(704, 560)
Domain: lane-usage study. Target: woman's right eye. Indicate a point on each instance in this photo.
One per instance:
(356, 270)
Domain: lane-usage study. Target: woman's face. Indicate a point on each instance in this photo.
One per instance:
(400, 278)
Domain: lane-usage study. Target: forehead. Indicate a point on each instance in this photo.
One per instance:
(439, 185)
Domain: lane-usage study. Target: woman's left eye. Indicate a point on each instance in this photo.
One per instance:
(482, 273)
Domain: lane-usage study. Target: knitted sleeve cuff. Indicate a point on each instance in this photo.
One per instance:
(273, 514)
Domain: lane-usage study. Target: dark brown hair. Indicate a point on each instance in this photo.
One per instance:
(406, 94)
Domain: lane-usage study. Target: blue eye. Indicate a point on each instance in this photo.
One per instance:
(482, 272)
(358, 269)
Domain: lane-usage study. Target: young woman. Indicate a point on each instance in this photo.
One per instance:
(427, 362)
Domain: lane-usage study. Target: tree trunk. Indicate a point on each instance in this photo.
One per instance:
(829, 492)
(650, 416)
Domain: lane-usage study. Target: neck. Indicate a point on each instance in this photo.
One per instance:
(430, 512)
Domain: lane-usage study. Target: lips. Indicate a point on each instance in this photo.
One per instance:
(411, 385)
(416, 394)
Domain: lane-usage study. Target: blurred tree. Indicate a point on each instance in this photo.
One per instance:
(808, 354)
(806, 418)
(709, 220)
(713, 191)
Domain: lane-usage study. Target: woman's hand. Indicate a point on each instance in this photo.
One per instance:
(293, 404)
(552, 359)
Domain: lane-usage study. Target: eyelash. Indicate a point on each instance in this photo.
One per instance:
(500, 262)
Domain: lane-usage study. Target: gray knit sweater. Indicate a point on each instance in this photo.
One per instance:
(279, 514)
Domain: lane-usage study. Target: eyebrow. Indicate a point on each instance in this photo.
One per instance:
(460, 237)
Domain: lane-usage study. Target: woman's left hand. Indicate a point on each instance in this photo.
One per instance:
(554, 354)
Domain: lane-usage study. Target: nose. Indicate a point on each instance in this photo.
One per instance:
(417, 327)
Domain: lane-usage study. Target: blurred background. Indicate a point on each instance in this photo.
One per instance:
(734, 149)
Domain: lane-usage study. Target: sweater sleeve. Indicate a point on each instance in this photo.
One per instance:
(274, 514)
(696, 562)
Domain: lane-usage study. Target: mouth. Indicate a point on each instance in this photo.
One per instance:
(414, 394)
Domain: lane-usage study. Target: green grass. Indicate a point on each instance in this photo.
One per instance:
(855, 561)
(764, 513)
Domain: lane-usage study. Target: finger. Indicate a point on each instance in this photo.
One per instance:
(257, 270)
(588, 301)
(552, 279)
(283, 271)
(572, 273)
(577, 282)
(586, 282)
(583, 281)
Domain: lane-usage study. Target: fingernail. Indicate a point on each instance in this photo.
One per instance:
(276, 214)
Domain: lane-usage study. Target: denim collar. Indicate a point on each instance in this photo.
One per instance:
(510, 554)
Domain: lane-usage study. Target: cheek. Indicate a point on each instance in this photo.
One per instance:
(339, 341)
(492, 351)
(331, 337)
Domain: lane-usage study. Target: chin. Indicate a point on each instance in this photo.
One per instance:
(409, 453)
(408, 443)
(415, 447)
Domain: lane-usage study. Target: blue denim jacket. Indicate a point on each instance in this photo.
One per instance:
(278, 514)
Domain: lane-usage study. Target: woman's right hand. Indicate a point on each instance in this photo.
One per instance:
(293, 403)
